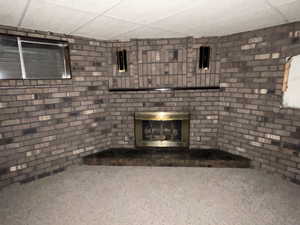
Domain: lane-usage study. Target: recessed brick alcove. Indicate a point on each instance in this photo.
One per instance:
(47, 125)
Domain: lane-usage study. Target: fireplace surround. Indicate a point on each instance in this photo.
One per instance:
(162, 129)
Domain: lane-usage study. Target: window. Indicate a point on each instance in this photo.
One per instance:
(29, 58)
(291, 83)
(10, 65)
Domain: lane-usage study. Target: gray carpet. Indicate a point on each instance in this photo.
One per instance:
(90, 195)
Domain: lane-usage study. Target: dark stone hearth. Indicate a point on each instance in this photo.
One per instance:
(167, 157)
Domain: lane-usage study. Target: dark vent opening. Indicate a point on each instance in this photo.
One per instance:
(204, 55)
(175, 54)
(122, 60)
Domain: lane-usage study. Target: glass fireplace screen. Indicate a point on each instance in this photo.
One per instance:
(162, 129)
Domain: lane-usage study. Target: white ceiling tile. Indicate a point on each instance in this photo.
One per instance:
(96, 6)
(240, 22)
(11, 11)
(280, 2)
(177, 23)
(106, 28)
(291, 10)
(208, 13)
(148, 32)
(149, 11)
(44, 16)
(224, 18)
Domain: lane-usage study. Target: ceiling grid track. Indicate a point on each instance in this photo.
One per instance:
(275, 9)
(24, 13)
(148, 25)
(94, 18)
(124, 20)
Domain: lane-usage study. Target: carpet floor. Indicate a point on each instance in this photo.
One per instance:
(105, 195)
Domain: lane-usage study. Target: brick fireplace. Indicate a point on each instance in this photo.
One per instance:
(161, 76)
(202, 106)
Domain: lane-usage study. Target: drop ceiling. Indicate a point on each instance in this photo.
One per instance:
(125, 19)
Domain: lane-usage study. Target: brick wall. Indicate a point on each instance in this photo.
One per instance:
(252, 121)
(46, 125)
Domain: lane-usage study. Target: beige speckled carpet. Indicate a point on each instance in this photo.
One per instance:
(90, 195)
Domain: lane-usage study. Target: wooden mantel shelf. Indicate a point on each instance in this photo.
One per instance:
(164, 89)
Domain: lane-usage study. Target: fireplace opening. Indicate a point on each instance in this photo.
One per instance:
(162, 129)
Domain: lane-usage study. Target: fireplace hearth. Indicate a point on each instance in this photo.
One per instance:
(162, 129)
(167, 157)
